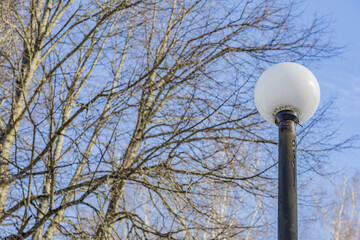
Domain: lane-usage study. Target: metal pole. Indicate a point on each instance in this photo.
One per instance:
(287, 190)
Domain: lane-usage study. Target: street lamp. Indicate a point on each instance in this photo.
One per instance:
(287, 94)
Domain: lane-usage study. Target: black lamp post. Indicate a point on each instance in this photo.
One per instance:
(287, 94)
(287, 189)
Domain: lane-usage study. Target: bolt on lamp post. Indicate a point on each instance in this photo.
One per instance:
(287, 94)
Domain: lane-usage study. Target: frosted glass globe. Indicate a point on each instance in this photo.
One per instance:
(287, 86)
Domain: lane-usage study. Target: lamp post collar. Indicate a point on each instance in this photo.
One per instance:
(286, 115)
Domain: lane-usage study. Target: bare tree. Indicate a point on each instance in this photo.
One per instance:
(340, 215)
(134, 119)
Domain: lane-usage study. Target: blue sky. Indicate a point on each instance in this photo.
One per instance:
(339, 77)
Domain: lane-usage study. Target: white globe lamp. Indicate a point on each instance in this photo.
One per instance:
(287, 86)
